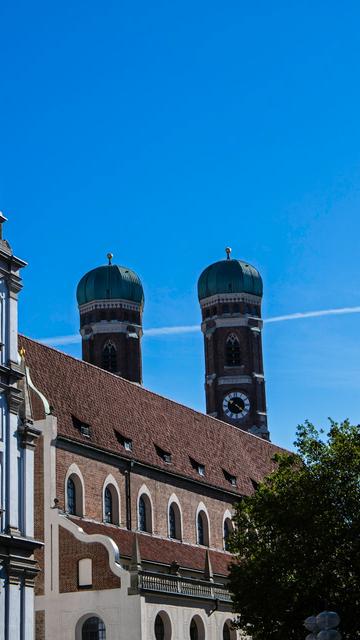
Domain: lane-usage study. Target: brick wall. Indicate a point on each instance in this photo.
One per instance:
(71, 551)
(161, 487)
(94, 474)
(39, 625)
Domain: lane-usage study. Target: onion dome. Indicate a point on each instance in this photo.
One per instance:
(229, 276)
(110, 282)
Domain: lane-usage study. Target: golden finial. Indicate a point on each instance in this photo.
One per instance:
(22, 353)
(228, 251)
(110, 257)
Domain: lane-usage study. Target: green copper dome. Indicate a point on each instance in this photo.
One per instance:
(108, 283)
(229, 276)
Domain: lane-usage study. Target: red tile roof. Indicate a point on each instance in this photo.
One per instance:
(157, 550)
(107, 403)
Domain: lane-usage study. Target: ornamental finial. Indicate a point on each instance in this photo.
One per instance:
(228, 251)
(110, 257)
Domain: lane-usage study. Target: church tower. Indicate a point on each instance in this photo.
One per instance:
(111, 302)
(230, 293)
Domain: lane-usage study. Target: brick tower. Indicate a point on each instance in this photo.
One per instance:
(230, 294)
(111, 301)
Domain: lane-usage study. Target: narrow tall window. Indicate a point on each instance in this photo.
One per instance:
(172, 522)
(226, 535)
(108, 506)
(109, 357)
(175, 522)
(200, 527)
(232, 351)
(142, 515)
(226, 632)
(71, 496)
(93, 629)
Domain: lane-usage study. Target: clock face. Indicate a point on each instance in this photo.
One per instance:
(236, 405)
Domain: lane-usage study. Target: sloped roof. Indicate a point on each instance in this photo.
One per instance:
(109, 403)
(153, 549)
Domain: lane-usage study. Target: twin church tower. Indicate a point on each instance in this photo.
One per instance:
(111, 303)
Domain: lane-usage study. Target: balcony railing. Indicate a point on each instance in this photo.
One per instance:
(177, 585)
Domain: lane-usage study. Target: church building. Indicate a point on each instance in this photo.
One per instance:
(134, 493)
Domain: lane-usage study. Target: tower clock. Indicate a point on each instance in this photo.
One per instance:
(230, 294)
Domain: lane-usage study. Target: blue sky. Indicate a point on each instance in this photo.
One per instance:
(165, 131)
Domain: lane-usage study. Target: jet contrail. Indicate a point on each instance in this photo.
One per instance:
(192, 328)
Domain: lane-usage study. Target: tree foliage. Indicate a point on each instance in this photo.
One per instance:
(297, 538)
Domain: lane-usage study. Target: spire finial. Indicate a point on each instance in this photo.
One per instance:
(110, 257)
(228, 251)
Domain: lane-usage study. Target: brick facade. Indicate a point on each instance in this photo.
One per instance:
(40, 625)
(160, 487)
(71, 551)
(247, 377)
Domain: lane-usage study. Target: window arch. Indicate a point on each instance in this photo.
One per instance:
(228, 632)
(174, 521)
(74, 493)
(162, 626)
(232, 351)
(202, 529)
(197, 629)
(111, 502)
(93, 629)
(228, 529)
(144, 513)
(109, 357)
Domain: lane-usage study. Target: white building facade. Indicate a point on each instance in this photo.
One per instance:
(17, 439)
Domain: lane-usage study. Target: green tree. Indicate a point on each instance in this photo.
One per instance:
(297, 538)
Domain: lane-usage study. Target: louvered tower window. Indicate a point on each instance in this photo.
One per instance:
(232, 355)
(109, 357)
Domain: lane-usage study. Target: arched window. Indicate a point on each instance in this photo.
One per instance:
(197, 629)
(174, 521)
(71, 496)
(228, 529)
(108, 506)
(74, 495)
(159, 628)
(144, 515)
(228, 632)
(93, 629)
(111, 505)
(162, 626)
(202, 529)
(232, 351)
(109, 357)
(194, 632)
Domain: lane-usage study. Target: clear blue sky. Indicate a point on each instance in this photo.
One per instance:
(164, 131)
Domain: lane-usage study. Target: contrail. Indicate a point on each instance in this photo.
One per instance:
(192, 328)
(314, 314)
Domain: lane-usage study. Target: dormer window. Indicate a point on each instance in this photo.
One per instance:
(164, 455)
(200, 468)
(125, 442)
(230, 478)
(81, 426)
